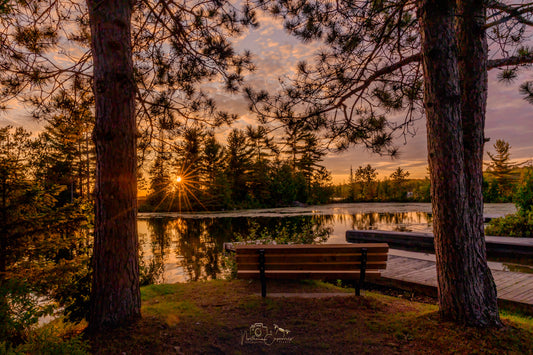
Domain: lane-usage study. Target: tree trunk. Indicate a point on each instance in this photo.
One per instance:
(3, 231)
(472, 63)
(115, 295)
(466, 290)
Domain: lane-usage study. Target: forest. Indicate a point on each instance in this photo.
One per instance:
(121, 87)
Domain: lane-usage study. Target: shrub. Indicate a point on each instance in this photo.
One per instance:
(19, 310)
(513, 225)
(49, 341)
(523, 197)
(521, 223)
(306, 233)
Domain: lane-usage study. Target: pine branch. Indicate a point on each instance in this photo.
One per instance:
(514, 60)
(383, 71)
(514, 13)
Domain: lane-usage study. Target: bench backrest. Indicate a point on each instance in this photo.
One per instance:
(328, 257)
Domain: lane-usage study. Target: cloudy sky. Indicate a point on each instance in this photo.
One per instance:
(276, 55)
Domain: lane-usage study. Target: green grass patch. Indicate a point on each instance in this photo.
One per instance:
(173, 312)
(152, 291)
(211, 317)
(524, 321)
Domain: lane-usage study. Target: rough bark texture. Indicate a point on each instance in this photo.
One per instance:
(466, 291)
(472, 63)
(115, 295)
(3, 232)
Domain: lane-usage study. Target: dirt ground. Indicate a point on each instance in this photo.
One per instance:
(229, 317)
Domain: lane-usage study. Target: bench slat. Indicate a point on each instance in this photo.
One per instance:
(326, 262)
(313, 266)
(313, 249)
(310, 246)
(302, 258)
(308, 274)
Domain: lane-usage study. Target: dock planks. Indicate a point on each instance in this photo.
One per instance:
(513, 287)
(496, 246)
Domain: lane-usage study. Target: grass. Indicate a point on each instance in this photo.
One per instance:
(211, 317)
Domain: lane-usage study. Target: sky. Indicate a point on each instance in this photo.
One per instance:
(276, 55)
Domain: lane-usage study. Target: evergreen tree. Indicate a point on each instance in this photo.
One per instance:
(263, 149)
(403, 52)
(14, 186)
(501, 169)
(311, 155)
(322, 189)
(66, 149)
(155, 52)
(217, 189)
(366, 177)
(238, 164)
(284, 187)
(159, 182)
(188, 169)
(43, 241)
(351, 188)
(398, 178)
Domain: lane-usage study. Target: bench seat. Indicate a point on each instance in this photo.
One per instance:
(308, 274)
(353, 262)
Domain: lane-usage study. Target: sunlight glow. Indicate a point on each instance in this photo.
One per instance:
(181, 189)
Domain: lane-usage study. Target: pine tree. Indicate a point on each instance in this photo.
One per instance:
(188, 168)
(238, 160)
(399, 177)
(366, 177)
(14, 160)
(390, 57)
(501, 169)
(154, 52)
(66, 149)
(216, 184)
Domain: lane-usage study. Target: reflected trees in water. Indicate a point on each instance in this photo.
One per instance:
(191, 249)
(396, 221)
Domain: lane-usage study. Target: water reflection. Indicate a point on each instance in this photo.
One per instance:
(183, 249)
(399, 221)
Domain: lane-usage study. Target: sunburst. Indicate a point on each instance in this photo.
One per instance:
(182, 189)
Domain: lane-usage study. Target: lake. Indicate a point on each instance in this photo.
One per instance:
(179, 247)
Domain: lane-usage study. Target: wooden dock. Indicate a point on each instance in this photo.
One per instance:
(496, 246)
(515, 289)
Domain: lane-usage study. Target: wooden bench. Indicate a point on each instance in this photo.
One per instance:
(355, 262)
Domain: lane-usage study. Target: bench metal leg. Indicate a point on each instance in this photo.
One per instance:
(357, 288)
(359, 284)
(262, 272)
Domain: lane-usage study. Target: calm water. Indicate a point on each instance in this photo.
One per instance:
(178, 247)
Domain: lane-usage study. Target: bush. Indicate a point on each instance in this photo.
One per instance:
(306, 233)
(49, 339)
(74, 294)
(19, 310)
(521, 223)
(513, 225)
(523, 197)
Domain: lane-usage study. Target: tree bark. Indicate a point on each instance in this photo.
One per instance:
(115, 294)
(467, 294)
(472, 63)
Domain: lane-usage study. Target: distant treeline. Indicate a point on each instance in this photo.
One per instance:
(252, 171)
(194, 171)
(501, 180)
(363, 186)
